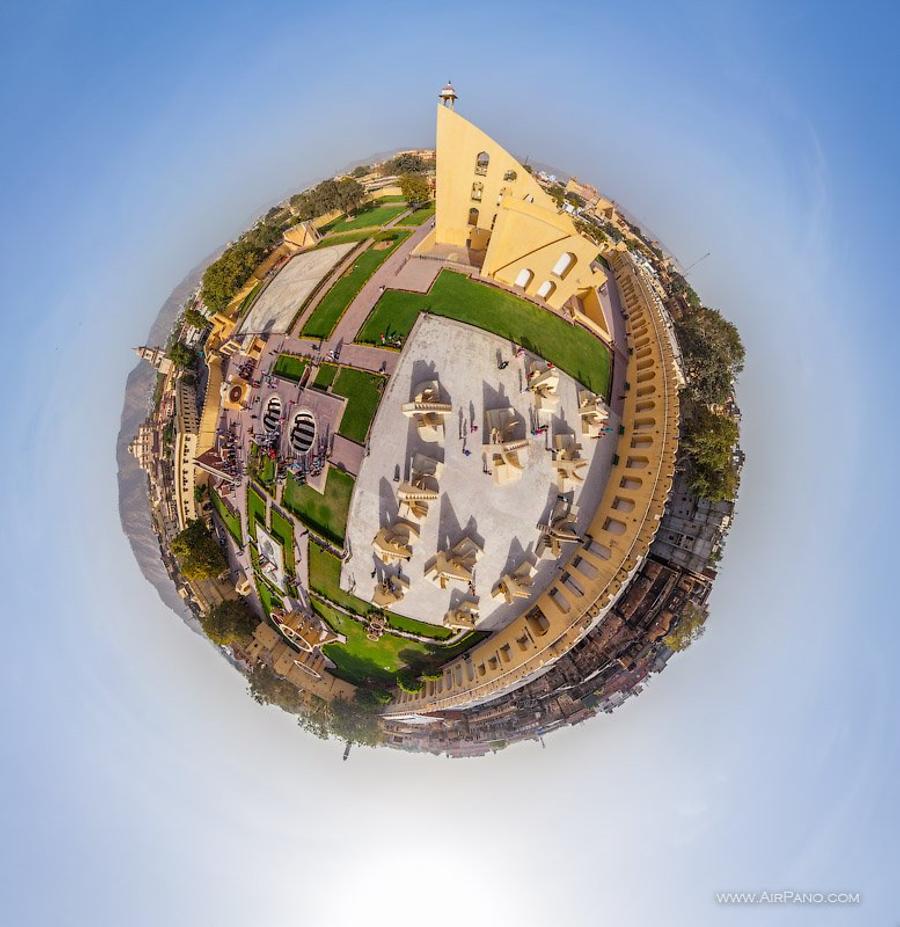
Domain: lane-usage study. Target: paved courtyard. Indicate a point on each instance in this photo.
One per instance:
(503, 519)
(279, 302)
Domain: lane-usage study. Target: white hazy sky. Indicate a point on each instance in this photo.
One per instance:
(141, 785)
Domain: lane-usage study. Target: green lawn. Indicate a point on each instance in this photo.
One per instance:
(391, 198)
(325, 514)
(571, 348)
(414, 626)
(325, 376)
(385, 235)
(230, 518)
(335, 302)
(360, 659)
(262, 467)
(283, 529)
(370, 217)
(249, 298)
(325, 579)
(290, 366)
(256, 511)
(418, 216)
(267, 596)
(362, 391)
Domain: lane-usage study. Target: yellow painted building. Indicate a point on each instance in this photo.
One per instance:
(488, 203)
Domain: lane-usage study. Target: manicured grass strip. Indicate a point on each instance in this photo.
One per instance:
(325, 376)
(330, 240)
(256, 511)
(267, 596)
(290, 366)
(414, 626)
(360, 659)
(283, 529)
(230, 518)
(385, 235)
(325, 579)
(335, 302)
(325, 514)
(262, 467)
(391, 198)
(362, 391)
(371, 216)
(418, 216)
(245, 302)
(267, 471)
(455, 296)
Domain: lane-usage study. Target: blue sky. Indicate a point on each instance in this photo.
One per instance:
(142, 786)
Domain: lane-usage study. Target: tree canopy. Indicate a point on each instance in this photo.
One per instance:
(181, 355)
(709, 443)
(407, 164)
(199, 555)
(226, 275)
(415, 189)
(229, 622)
(356, 721)
(344, 195)
(713, 355)
(691, 625)
(196, 318)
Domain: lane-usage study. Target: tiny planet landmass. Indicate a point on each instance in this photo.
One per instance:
(443, 452)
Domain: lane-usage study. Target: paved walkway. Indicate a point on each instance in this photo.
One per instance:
(325, 285)
(612, 304)
(358, 311)
(347, 454)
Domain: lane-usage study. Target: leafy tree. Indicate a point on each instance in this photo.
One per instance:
(690, 626)
(226, 275)
(268, 688)
(361, 170)
(414, 188)
(709, 442)
(373, 696)
(349, 195)
(196, 318)
(407, 164)
(589, 230)
(304, 204)
(558, 192)
(199, 555)
(181, 355)
(713, 355)
(355, 722)
(229, 622)
(409, 681)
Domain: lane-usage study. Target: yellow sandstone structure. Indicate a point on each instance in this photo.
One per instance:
(489, 204)
(427, 410)
(617, 538)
